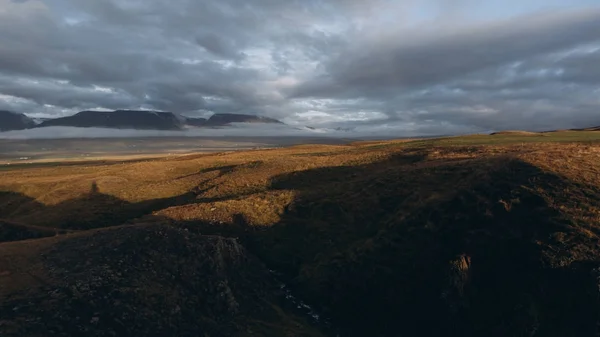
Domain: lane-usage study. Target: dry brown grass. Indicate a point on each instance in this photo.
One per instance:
(239, 182)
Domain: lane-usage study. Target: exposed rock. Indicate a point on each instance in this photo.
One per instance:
(457, 277)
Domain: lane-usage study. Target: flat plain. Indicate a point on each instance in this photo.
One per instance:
(19, 151)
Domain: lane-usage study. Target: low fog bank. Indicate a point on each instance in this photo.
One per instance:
(239, 130)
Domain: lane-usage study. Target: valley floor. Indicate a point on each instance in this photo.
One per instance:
(28, 151)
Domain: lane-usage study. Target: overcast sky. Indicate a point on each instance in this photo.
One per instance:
(428, 66)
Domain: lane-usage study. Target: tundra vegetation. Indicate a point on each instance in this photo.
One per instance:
(484, 235)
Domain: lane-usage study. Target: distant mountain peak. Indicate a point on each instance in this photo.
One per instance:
(120, 119)
(10, 120)
(228, 118)
(130, 119)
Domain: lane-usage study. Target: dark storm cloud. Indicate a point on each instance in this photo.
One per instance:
(63, 95)
(129, 49)
(427, 58)
(338, 62)
(219, 46)
(515, 74)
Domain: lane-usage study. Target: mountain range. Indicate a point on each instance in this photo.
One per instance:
(14, 121)
(129, 119)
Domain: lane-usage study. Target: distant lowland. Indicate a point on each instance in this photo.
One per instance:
(129, 119)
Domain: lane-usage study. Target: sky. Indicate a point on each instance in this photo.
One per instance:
(415, 66)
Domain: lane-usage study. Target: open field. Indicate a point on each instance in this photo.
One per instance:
(86, 149)
(521, 137)
(494, 235)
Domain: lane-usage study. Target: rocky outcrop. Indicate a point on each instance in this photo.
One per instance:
(456, 279)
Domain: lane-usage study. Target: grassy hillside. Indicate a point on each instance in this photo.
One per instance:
(491, 235)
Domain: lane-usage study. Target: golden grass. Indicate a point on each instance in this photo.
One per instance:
(239, 182)
(516, 133)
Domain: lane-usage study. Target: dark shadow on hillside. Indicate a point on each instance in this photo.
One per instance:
(222, 170)
(15, 203)
(11, 231)
(92, 210)
(98, 210)
(208, 184)
(145, 280)
(459, 250)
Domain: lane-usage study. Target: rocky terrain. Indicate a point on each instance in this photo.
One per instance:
(461, 236)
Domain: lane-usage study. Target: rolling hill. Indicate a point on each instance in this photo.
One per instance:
(461, 236)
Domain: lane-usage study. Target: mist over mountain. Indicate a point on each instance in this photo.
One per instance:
(228, 118)
(149, 120)
(195, 121)
(14, 121)
(148, 123)
(120, 119)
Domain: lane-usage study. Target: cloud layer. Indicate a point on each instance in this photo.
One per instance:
(429, 66)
